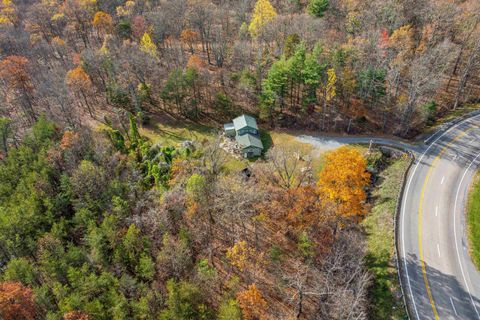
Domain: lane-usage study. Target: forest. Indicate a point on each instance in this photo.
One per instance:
(109, 226)
(100, 221)
(333, 65)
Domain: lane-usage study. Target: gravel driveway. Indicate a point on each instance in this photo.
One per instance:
(327, 143)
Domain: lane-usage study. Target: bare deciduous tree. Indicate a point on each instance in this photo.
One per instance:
(287, 167)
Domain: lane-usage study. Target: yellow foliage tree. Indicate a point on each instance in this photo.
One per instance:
(238, 254)
(330, 89)
(126, 10)
(87, 3)
(263, 13)
(104, 49)
(147, 45)
(403, 40)
(241, 255)
(403, 37)
(427, 34)
(252, 303)
(342, 182)
(349, 82)
(58, 41)
(7, 12)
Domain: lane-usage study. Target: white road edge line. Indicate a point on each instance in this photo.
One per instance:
(453, 306)
(405, 202)
(455, 234)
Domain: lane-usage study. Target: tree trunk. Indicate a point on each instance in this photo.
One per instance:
(324, 114)
(299, 306)
(89, 108)
(472, 60)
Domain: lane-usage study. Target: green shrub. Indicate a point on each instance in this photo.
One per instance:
(275, 254)
(185, 302)
(305, 246)
(229, 310)
(317, 8)
(205, 271)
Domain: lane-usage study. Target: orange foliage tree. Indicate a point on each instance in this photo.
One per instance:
(252, 303)
(342, 182)
(68, 139)
(302, 208)
(16, 302)
(78, 78)
(14, 70)
(299, 212)
(295, 209)
(195, 62)
(189, 37)
(103, 21)
(80, 82)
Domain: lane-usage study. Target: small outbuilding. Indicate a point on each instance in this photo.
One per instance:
(245, 130)
(229, 129)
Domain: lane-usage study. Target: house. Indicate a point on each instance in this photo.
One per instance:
(245, 130)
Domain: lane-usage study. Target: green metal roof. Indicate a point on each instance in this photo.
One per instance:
(248, 140)
(244, 121)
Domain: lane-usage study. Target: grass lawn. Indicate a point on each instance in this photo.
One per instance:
(173, 133)
(473, 220)
(385, 298)
(452, 114)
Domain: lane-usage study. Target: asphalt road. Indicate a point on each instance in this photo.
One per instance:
(438, 277)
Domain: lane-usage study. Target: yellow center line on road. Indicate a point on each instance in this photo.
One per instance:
(420, 214)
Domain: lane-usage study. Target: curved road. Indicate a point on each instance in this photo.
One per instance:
(438, 277)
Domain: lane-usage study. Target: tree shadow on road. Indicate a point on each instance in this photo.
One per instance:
(451, 299)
